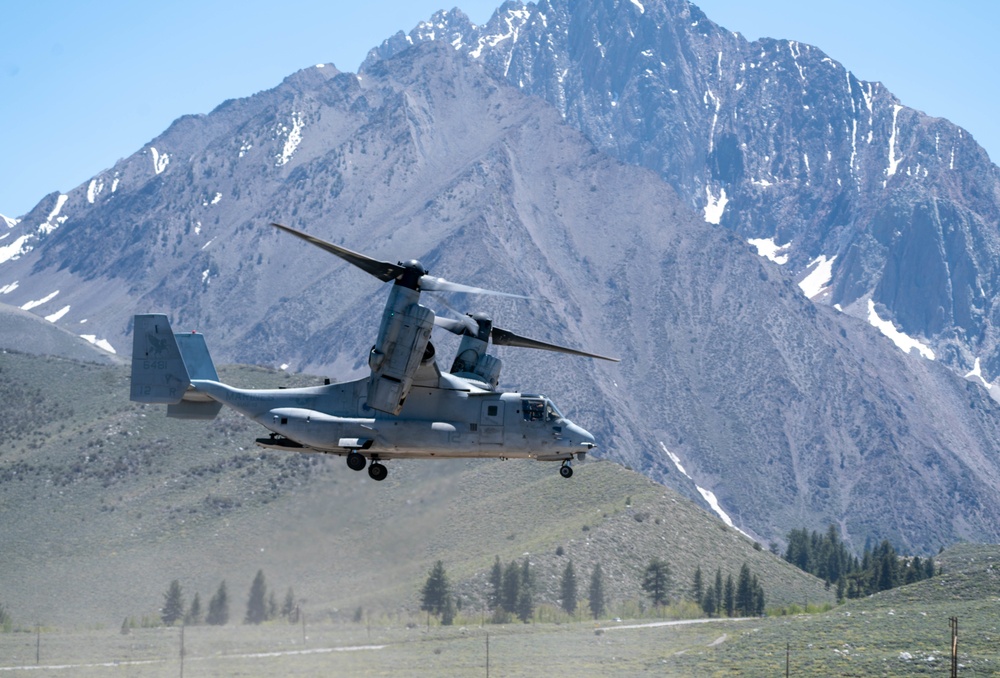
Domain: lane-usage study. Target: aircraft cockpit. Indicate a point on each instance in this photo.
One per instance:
(539, 408)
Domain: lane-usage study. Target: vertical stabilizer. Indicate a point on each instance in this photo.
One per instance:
(158, 371)
(196, 358)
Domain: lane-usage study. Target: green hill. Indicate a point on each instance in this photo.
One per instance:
(900, 632)
(104, 502)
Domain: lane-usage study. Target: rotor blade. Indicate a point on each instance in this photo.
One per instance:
(506, 338)
(382, 270)
(456, 326)
(433, 284)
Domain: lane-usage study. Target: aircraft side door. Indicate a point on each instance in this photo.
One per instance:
(491, 423)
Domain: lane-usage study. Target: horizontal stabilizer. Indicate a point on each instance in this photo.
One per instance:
(194, 410)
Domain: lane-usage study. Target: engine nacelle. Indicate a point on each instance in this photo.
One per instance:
(473, 362)
(402, 342)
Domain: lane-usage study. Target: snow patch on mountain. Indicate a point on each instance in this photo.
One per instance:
(100, 343)
(58, 314)
(54, 220)
(707, 495)
(11, 223)
(94, 189)
(769, 249)
(715, 205)
(160, 162)
(15, 250)
(976, 374)
(34, 304)
(292, 140)
(7, 289)
(514, 16)
(819, 277)
(904, 342)
(893, 160)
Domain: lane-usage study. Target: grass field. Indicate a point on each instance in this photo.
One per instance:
(861, 639)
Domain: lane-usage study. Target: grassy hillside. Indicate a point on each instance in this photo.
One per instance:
(900, 632)
(104, 502)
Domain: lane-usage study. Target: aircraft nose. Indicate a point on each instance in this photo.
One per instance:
(580, 436)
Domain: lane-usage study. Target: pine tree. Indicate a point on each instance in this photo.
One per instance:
(759, 603)
(886, 567)
(596, 600)
(567, 589)
(708, 601)
(656, 581)
(436, 590)
(729, 597)
(496, 584)
(511, 588)
(698, 586)
(526, 596)
(288, 607)
(744, 594)
(257, 603)
(6, 621)
(218, 607)
(718, 591)
(193, 616)
(173, 604)
(448, 611)
(798, 551)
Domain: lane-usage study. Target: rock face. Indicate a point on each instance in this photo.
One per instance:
(789, 412)
(774, 140)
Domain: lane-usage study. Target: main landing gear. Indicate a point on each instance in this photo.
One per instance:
(356, 462)
(377, 471)
(566, 471)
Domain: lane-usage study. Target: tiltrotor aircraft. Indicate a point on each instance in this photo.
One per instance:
(406, 408)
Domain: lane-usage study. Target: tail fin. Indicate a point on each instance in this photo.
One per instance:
(199, 365)
(194, 353)
(163, 365)
(158, 371)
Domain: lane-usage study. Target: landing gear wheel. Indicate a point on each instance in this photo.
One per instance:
(377, 471)
(566, 471)
(355, 461)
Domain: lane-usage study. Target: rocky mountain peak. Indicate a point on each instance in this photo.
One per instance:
(867, 199)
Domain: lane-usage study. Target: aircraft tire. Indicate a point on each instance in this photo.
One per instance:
(566, 471)
(355, 461)
(377, 471)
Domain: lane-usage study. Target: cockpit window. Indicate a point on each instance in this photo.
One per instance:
(540, 409)
(533, 409)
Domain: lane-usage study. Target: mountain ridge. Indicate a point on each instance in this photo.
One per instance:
(784, 409)
(775, 140)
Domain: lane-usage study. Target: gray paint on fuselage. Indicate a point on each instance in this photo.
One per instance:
(450, 420)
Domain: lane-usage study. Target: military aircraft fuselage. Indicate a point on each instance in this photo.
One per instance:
(455, 418)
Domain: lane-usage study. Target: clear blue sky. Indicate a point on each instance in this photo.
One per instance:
(83, 84)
